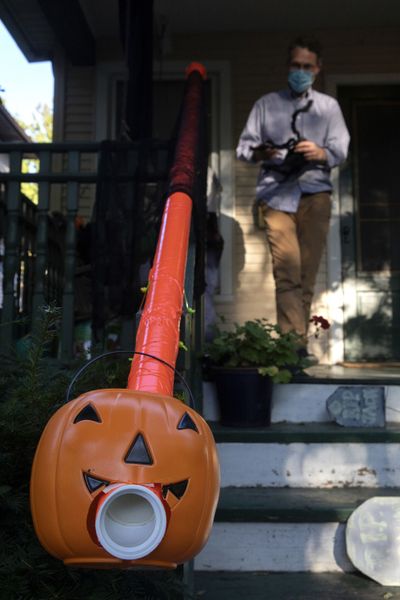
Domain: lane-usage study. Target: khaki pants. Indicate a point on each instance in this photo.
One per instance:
(297, 241)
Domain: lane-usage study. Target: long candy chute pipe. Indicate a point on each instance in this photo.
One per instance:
(158, 331)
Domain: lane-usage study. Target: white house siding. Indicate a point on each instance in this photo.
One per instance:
(257, 67)
(79, 123)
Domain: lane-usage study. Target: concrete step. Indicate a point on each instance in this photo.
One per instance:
(294, 530)
(314, 455)
(289, 586)
(275, 547)
(304, 402)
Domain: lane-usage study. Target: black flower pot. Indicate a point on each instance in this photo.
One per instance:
(244, 397)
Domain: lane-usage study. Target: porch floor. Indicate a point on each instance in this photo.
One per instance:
(379, 373)
(235, 585)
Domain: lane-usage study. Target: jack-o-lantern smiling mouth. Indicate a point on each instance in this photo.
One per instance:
(178, 488)
(146, 494)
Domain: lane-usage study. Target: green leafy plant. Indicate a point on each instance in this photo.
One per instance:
(260, 344)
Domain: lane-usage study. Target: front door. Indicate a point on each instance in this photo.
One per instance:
(370, 223)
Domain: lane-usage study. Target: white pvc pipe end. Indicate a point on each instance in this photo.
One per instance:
(130, 521)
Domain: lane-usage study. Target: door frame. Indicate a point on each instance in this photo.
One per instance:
(336, 289)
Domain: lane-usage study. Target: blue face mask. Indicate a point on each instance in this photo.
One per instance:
(300, 80)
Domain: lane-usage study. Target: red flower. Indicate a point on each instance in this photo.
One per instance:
(320, 322)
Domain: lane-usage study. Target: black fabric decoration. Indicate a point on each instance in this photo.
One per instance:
(130, 198)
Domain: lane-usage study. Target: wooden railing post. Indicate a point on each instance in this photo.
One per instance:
(11, 249)
(67, 324)
(41, 260)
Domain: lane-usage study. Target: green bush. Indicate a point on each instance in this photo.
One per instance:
(32, 387)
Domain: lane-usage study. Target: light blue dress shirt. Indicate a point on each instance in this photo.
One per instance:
(270, 119)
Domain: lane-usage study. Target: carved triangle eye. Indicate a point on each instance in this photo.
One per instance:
(88, 413)
(92, 483)
(187, 423)
(138, 453)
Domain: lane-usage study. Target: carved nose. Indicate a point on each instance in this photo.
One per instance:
(138, 453)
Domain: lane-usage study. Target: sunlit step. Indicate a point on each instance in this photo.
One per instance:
(275, 547)
(310, 465)
(258, 529)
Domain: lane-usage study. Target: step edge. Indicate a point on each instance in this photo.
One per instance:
(310, 432)
(299, 516)
(307, 511)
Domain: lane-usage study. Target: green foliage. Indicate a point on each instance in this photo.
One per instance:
(259, 344)
(29, 188)
(40, 129)
(32, 387)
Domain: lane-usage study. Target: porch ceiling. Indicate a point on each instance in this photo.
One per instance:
(261, 15)
(29, 28)
(199, 16)
(37, 24)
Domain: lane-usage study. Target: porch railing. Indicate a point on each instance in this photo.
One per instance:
(39, 240)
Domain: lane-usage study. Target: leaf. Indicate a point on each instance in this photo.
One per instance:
(270, 371)
(283, 376)
(250, 355)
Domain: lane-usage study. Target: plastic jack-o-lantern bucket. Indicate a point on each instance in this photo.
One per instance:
(123, 478)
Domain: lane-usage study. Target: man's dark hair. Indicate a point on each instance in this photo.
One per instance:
(310, 43)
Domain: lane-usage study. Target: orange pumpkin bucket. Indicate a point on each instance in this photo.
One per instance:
(161, 455)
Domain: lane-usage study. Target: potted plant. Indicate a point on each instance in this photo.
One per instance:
(245, 362)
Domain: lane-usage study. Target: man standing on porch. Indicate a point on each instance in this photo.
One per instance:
(298, 135)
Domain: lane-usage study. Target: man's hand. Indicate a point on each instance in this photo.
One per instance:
(264, 152)
(311, 151)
